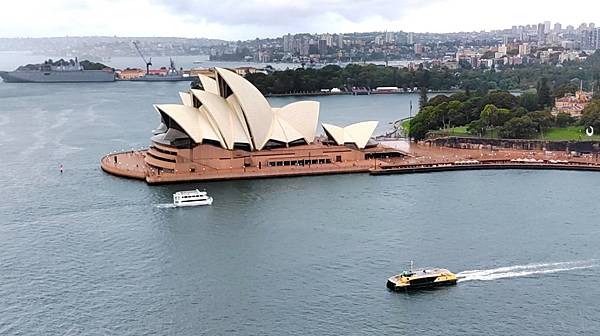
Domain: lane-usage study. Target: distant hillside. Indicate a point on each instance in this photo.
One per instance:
(108, 46)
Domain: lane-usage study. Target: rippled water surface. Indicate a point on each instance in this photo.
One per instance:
(86, 253)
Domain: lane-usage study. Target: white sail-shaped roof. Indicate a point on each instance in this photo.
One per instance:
(226, 120)
(361, 132)
(194, 123)
(202, 110)
(235, 106)
(357, 134)
(230, 110)
(186, 98)
(209, 84)
(303, 116)
(282, 131)
(256, 109)
(335, 133)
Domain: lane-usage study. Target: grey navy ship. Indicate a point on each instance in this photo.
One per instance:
(61, 71)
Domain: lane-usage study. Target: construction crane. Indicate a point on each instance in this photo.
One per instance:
(148, 63)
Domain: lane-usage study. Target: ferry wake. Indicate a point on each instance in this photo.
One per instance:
(526, 270)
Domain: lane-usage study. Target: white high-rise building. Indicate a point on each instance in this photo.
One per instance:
(557, 27)
(288, 43)
(389, 37)
(541, 35)
(340, 41)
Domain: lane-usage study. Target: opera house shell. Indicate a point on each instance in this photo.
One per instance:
(227, 129)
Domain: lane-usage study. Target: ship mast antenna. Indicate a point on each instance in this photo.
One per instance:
(148, 63)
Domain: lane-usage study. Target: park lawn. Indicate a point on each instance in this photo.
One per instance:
(567, 133)
(454, 131)
(555, 133)
(460, 130)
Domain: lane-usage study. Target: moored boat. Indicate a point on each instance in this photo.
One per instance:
(61, 71)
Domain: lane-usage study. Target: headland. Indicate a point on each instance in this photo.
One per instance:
(225, 129)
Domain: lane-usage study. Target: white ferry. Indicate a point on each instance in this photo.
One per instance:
(191, 198)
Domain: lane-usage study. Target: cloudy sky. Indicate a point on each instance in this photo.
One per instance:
(248, 19)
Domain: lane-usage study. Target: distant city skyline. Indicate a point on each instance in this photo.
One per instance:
(233, 20)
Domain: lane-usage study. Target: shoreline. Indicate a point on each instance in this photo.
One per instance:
(130, 164)
(497, 165)
(362, 93)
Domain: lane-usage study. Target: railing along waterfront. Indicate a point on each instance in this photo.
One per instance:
(484, 165)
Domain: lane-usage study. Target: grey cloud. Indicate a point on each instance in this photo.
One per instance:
(297, 15)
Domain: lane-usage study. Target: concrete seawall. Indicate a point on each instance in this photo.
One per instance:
(132, 165)
(581, 146)
(432, 168)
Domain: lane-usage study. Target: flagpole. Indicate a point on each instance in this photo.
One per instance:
(409, 119)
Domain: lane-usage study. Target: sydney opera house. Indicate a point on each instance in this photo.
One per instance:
(228, 130)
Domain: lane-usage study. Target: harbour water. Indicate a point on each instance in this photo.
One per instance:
(86, 253)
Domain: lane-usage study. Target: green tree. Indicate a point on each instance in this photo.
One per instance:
(529, 100)
(439, 99)
(87, 65)
(472, 108)
(518, 128)
(422, 123)
(591, 115)
(563, 119)
(543, 93)
(476, 127)
(492, 116)
(503, 115)
(543, 119)
(460, 96)
(455, 113)
(520, 112)
(423, 97)
(464, 64)
(441, 114)
(501, 99)
(565, 89)
(488, 115)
